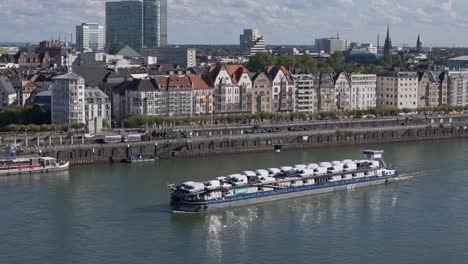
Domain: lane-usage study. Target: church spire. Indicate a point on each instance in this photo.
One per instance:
(419, 44)
(387, 50)
(388, 43)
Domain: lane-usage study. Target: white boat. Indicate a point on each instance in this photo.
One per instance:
(30, 165)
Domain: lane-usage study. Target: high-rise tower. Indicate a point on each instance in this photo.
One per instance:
(155, 23)
(136, 23)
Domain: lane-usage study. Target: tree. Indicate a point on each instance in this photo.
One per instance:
(260, 61)
(289, 61)
(398, 62)
(336, 61)
(309, 63)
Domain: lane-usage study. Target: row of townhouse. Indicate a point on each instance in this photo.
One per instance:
(232, 89)
(413, 90)
(328, 92)
(236, 90)
(174, 95)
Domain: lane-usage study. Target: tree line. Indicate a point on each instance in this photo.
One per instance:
(31, 119)
(142, 121)
(333, 64)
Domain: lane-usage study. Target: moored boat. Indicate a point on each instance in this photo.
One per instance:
(252, 187)
(140, 159)
(30, 165)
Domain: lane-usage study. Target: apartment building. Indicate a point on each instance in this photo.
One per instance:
(397, 90)
(432, 89)
(457, 88)
(202, 95)
(283, 89)
(343, 92)
(306, 93)
(363, 91)
(326, 92)
(68, 99)
(232, 89)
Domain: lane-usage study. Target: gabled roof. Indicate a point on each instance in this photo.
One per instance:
(327, 79)
(92, 74)
(95, 93)
(68, 76)
(144, 85)
(235, 72)
(261, 74)
(338, 75)
(199, 82)
(174, 82)
(117, 77)
(6, 86)
(128, 51)
(432, 76)
(122, 87)
(272, 71)
(137, 85)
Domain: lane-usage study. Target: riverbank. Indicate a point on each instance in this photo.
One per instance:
(244, 143)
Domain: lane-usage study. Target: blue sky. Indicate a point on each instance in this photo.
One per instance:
(440, 22)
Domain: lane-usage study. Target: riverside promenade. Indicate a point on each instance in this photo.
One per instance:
(193, 141)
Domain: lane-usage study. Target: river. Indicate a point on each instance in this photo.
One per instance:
(118, 214)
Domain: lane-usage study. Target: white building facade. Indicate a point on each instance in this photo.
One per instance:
(90, 37)
(97, 110)
(306, 93)
(458, 88)
(363, 91)
(68, 99)
(397, 90)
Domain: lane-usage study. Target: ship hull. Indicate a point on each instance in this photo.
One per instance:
(34, 170)
(276, 195)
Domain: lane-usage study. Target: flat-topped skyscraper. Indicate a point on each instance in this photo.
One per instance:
(90, 36)
(136, 23)
(155, 23)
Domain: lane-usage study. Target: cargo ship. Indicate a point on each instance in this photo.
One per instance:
(30, 165)
(260, 186)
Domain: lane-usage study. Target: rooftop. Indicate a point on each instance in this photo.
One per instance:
(461, 58)
(68, 76)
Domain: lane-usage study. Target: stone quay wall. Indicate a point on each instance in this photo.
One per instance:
(228, 144)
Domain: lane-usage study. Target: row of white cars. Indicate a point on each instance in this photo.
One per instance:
(272, 175)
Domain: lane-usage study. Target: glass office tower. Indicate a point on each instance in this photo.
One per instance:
(136, 23)
(124, 25)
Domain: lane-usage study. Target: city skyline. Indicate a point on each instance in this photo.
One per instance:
(221, 22)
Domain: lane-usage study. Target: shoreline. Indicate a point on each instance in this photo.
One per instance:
(252, 143)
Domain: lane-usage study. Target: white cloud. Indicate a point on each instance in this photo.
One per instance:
(282, 21)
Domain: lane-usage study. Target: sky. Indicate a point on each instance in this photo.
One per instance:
(440, 22)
